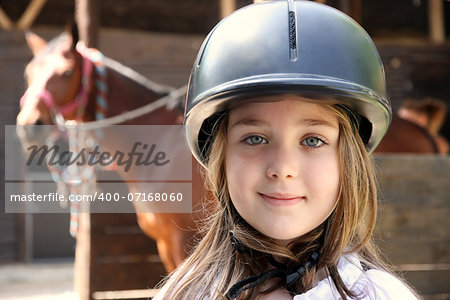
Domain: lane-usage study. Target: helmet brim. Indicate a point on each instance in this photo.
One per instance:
(367, 103)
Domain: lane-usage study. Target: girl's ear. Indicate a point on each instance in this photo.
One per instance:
(35, 42)
(72, 31)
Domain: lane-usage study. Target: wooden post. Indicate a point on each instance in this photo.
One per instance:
(83, 258)
(227, 7)
(357, 11)
(87, 15)
(436, 21)
(345, 6)
(353, 8)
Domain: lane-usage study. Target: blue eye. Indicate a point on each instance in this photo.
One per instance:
(255, 140)
(312, 141)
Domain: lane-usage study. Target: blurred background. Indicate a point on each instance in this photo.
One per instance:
(160, 39)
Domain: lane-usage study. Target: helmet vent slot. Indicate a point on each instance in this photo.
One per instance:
(292, 31)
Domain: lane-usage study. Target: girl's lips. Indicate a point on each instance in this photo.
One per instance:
(280, 199)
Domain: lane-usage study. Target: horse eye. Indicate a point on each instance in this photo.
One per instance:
(68, 73)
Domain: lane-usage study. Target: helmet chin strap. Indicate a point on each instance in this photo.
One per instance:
(289, 276)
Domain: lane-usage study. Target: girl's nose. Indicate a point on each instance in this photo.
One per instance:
(283, 164)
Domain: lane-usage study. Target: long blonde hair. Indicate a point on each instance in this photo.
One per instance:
(215, 265)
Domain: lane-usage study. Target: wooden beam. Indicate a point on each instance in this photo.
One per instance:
(5, 21)
(227, 7)
(87, 15)
(436, 21)
(30, 14)
(345, 6)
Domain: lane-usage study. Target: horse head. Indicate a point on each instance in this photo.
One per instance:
(54, 80)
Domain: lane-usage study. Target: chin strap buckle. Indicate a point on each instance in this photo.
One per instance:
(293, 277)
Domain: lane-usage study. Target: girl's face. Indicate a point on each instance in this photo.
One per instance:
(281, 164)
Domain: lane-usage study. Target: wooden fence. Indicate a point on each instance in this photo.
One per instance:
(413, 227)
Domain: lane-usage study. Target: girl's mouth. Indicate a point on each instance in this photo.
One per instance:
(282, 199)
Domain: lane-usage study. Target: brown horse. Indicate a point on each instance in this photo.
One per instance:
(415, 129)
(58, 88)
(428, 113)
(405, 136)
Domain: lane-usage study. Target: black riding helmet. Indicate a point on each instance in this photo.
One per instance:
(298, 48)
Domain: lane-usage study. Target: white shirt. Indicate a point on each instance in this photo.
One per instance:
(369, 285)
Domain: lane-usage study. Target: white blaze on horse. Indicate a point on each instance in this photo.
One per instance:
(69, 83)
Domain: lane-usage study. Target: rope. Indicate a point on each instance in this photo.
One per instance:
(289, 277)
(133, 114)
(72, 178)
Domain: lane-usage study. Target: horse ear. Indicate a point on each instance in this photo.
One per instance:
(35, 42)
(72, 31)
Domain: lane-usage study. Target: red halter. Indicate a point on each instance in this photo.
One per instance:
(80, 100)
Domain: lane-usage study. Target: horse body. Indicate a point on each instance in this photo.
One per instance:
(405, 136)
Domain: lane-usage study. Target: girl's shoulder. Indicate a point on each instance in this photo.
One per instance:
(387, 286)
(371, 284)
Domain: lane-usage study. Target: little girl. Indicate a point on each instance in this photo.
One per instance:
(286, 100)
